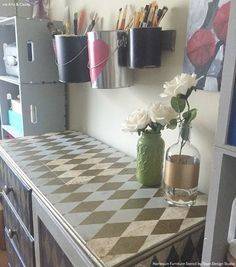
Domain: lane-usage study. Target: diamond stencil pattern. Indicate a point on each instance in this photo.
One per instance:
(94, 187)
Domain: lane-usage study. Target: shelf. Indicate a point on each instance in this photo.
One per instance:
(7, 21)
(228, 149)
(231, 148)
(10, 79)
(12, 131)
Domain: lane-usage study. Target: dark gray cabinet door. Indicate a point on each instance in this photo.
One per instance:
(51, 254)
(55, 243)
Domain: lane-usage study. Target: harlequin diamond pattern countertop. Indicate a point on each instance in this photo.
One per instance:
(93, 186)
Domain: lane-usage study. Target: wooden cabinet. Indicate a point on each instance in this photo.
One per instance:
(17, 213)
(48, 234)
(223, 182)
(14, 259)
(18, 193)
(32, 101)
(17, 205)
(18, 234)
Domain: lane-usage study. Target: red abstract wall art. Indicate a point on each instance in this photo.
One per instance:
(206, 37)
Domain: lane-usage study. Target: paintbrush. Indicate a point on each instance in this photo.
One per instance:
(81, 20)
(66, 21)
(92, 24)
(163, 12)
(118, 20)
(154, 20)
(122, 23)
(146, 13)
(151, 14)
(130, 23)
(141, 17)
(94, 21)
(136, 19)
(75, 22)
(159, 14)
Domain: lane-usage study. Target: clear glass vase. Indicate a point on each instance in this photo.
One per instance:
(182, 170)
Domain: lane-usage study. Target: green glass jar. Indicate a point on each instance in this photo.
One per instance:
(150, 154)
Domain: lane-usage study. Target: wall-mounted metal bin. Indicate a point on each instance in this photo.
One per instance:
(145, 46)
(108, 59)
(72, 58)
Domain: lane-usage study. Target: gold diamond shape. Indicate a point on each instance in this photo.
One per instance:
(112, 230)
(167, 227)
(98, 217)
(126, 245)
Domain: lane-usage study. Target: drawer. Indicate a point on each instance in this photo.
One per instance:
(19, 194)
(14, 259)
(18, 234)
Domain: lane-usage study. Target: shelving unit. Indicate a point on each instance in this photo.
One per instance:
(42, 97)
(223, 181)
(10, 79)
(11, 130)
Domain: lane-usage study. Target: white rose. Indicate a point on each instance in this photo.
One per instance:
(138, 120)
(179, 85)
(162, 113)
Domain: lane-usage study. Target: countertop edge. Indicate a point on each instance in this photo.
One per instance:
(160, 246)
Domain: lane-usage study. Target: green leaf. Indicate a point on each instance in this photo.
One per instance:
(178, 104)
(190, 115)
(172, 124)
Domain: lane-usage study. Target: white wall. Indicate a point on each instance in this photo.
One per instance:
(100, 113)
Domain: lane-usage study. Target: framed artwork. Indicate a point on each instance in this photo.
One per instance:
(205, 45)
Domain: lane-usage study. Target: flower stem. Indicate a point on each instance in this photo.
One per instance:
(183, 142)
(181, 148)
(187, 104)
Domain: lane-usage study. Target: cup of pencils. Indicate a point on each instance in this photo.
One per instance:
(72, 46)
(144, 49)
(144, 34)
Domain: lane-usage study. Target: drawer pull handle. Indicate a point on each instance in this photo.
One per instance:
(7, 189)
(11, 233)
